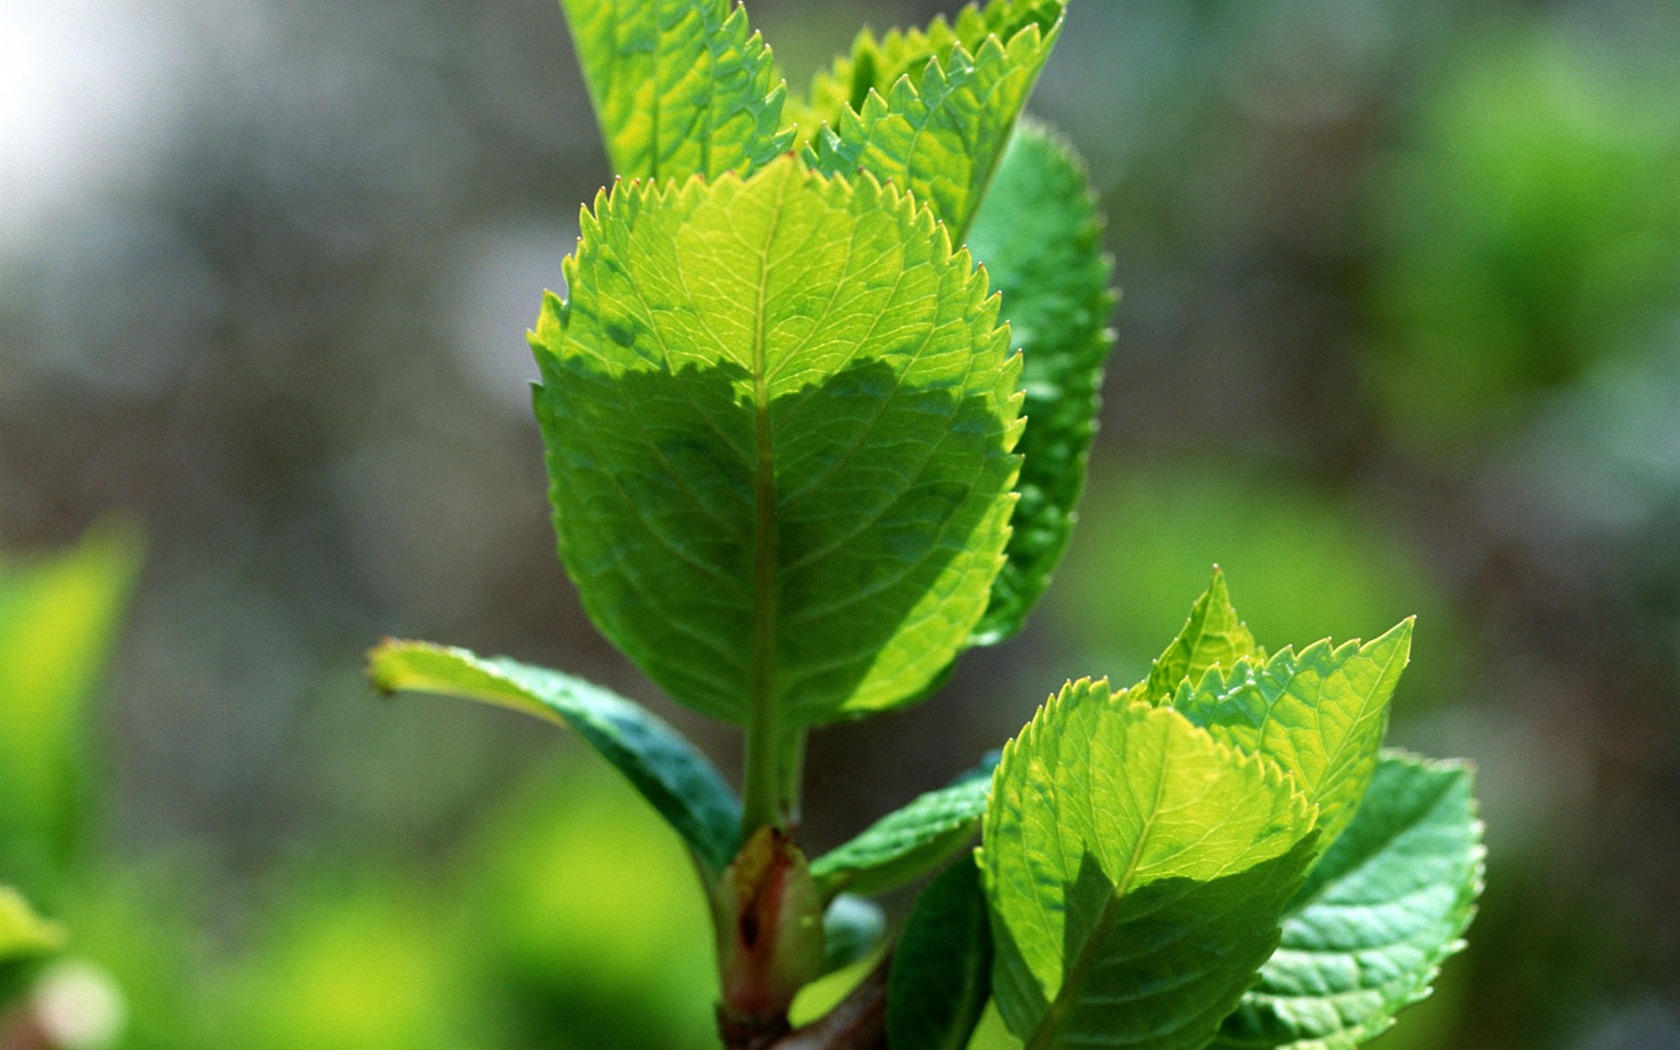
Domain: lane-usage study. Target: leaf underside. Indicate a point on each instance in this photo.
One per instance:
(681, 87)
(1380, 912)
(1136, 871)
(779, 416)
(1039, 236)
(679, 781)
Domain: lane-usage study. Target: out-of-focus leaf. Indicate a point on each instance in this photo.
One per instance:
(779, 415)
(1379, 913)
(941, 972)
(58, 616)
(852, 928)
(677, 779)
(22, 931)
(909, 841)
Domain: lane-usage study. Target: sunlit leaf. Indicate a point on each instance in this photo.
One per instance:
(1320, 714)
(779, 415)
(681, 87)
(1137, 870)
(939, 124)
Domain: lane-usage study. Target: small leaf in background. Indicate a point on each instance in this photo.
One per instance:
(909, 841)
(679, 781)
(58, 619)
(1379, 913)
(779, 413)
(939, 129)
(853, 927)
(941, 974)
(1039, 236)
(1320, 714)
(22, 931)
(1213, 635)
(1122, 844)
(681, 87)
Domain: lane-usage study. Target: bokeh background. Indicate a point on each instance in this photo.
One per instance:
(1400, 334)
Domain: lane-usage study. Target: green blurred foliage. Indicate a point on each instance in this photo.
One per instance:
(1527, 226)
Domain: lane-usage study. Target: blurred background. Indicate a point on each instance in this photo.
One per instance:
(1400, 334)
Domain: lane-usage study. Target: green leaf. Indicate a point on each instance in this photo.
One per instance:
(1320, 714)
(909, 841)
(876, 64)
(941, 972)
(779, 416)
(1379, 913)
(681, 87)
(22, 932)
(852, 928)
(682, 785)
(937, 108)
(1212, 636)
(58, 619)
(1039, 236)
(1137, 870)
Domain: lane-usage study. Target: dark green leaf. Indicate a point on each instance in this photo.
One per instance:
(941, 971)
(1039, 236)
(676, 778)
(909, 841)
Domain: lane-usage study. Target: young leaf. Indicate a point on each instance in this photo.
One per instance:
(1379, 913)
(876, 64)
(1213, 635)
(909, 841)
(779, 416)
(939, 129)
(681, 87)
(941, 972)
(1137, 870)
(681, 784)
(1320, 714)
(1039, 237)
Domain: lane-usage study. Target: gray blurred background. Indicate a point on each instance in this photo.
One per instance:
(1400, 333)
